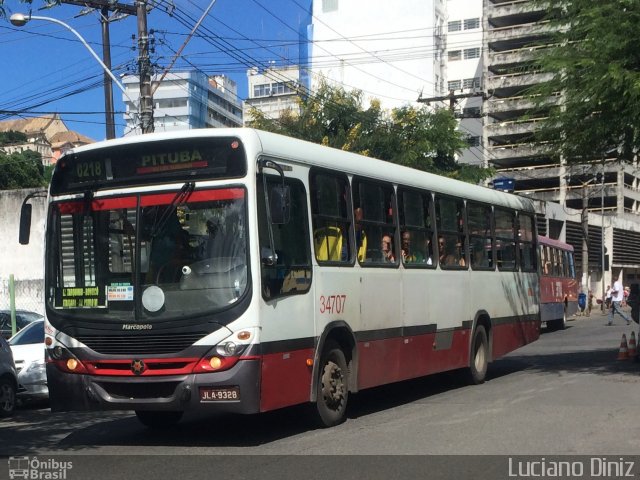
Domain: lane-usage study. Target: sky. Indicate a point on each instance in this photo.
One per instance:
(45, 69)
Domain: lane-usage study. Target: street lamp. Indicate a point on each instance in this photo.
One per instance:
(20, 20)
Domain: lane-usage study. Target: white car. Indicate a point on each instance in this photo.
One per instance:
(28, 354)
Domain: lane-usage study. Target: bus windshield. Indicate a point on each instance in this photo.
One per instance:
(147, 256)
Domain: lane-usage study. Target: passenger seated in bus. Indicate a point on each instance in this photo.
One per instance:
(408, 254)
(480, 256)
(361, 237)
(446, 258)
(386, 247)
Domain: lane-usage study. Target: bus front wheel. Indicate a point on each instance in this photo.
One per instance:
(332, 387)
(158, 419)
(479, 360)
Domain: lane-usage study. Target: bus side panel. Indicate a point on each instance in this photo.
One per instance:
(285, 379)
(510, 334)
(418, 355)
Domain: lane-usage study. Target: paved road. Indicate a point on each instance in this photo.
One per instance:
(564, 394)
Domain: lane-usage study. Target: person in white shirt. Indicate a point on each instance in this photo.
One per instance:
(617, 295)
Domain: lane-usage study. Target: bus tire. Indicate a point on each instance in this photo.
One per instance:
(479, 360)
(332, 387)
(560, 323)
(7, 397)
(158, 419)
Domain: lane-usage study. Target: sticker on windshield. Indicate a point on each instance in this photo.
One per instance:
(81, 297)
(120, 293)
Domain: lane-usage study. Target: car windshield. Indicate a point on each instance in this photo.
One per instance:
(32, 333)
(152, 256)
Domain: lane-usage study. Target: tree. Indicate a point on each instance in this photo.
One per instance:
(410, 136)
(20, 169)
(595, 64)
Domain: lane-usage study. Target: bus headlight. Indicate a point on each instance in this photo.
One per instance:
(227, 348)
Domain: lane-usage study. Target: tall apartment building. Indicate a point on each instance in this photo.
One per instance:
(272, 91)
(392, 51)
(464, 72)
(514, 33)
(186, 100)
(400, 52)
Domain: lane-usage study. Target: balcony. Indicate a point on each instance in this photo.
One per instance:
(516, 12)
(514, 127)
(512, 84)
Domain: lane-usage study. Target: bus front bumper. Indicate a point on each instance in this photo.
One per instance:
(76, 392)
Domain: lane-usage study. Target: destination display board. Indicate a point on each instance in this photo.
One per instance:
(149, 162)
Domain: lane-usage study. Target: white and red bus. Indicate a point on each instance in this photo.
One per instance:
(242, 271)
(558, 283)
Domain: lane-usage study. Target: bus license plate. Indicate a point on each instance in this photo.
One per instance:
(219, 394)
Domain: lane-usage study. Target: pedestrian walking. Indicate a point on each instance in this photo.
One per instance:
(617, 296)
(607, 297)
(589, 303)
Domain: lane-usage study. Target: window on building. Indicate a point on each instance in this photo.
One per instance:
(471, 82)
(473, 141)
(471, 23)
(454, 85)
(261, 90)
(454, 26)
(329, 6)
(470, 53)
(471, 112)
(454, 55)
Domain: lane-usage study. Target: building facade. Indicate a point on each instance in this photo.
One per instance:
(47, 135)
(392, 51)
(272, 91)
(185, 100)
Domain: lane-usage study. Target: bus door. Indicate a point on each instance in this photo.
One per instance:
(287, 327)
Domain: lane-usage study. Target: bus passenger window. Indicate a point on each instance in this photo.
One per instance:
(416, 226)
(330, 216)
(480, 237)
(373, 219)
(452, 241)
(505, 239)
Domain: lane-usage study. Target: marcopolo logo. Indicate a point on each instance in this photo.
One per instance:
(36, 469)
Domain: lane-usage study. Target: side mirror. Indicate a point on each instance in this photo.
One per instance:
(25, 223)
(280, 204)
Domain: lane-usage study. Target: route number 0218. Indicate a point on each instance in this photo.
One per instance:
(332, 303)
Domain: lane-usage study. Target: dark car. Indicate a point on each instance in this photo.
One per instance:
(23, 318)
(8, 380)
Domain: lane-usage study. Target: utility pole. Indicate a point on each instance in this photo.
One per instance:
(144, 69)
(451, 97)
(105, 7)
(585, 238)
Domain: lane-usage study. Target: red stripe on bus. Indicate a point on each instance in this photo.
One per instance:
(395, 359)
(286, 379)
(510, 336)
(116, 203)
(197, 196)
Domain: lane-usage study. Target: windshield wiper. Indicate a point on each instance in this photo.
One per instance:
(180, 198)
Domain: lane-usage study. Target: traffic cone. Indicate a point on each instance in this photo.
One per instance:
(623, 353)
(632, 345)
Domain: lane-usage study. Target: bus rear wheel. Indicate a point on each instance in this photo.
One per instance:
(479, 360)
(158, 419)
(332, 387)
